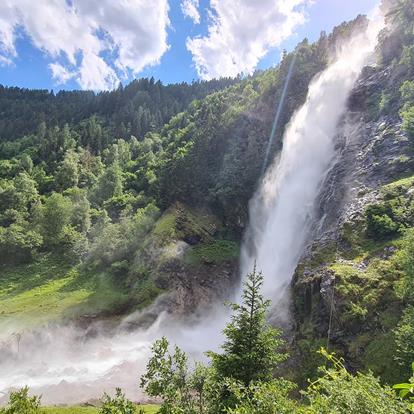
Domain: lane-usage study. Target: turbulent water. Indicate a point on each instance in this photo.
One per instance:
(66, 366)
(281, 211)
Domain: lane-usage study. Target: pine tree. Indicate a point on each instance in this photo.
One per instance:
(250, 350)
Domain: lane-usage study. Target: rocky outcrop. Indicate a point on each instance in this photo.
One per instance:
(372, 152)
(188, 262)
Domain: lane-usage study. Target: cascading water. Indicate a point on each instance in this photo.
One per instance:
(65, 367)
(281, 211)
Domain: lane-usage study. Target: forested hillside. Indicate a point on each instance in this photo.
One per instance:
(143, 105)
(84, 186)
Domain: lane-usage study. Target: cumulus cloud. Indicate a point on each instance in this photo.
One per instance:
(95, 41)
(241, 32)
(60, 74)
(190, 9)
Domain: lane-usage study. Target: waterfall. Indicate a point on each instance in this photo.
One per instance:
(66, 369)
(281, 211)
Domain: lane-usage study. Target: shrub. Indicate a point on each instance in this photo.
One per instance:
(21, 403)
(407, 116)
(117, 405)
(263, 398)
(404, 338)
(338, 391)
(379, 223)
(406, 390)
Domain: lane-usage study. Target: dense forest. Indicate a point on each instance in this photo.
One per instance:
(97, 188)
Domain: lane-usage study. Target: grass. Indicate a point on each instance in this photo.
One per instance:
(71, 410)
(148, 409)
(180, 223)
(50, 289)
(215, 252)
(398, 187)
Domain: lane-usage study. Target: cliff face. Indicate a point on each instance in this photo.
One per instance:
(345, 286)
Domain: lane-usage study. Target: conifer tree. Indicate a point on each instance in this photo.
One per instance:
(250, 350)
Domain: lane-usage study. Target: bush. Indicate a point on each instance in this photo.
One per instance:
(407, 116)
(21, 403)
(264, 398)
(379, 222)
(117, 405)
(337, 391)
(404, 339)
(407, 92)
(406, 390)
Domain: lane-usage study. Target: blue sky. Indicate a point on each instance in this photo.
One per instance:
(94, 44)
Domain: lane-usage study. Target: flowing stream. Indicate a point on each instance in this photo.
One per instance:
(66, 368)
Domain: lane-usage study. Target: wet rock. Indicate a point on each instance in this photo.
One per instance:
(370, 155)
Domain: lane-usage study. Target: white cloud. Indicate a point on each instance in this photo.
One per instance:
(190, 9)
(95, 73)
(97, 41)
(5, 61)
(60, 74)
(241, 32)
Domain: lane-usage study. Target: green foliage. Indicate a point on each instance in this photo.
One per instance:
(214, 252)
(117, 405)
(52, 217)
(384, 103)
(393, 213)
(250, 349)
(114, 242)
(369, 279)
(406, 390)
(406, 261)
(18, 242)
(263, 398)
(379, 223)
(109, 184)
(407, 116)
(70, 410)
(181, 222)
(246, 365)
(338, 391)
(67, 174)
(407, 92)
(404, 338)
(146, 409)
(50, 289)
(135, 109)
(21, 403)
(167, 376)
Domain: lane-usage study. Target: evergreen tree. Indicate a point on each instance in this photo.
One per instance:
(250, 350)
(68, 172)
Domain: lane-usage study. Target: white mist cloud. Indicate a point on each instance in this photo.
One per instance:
(241, 32)
(190, 9)
(95, 41)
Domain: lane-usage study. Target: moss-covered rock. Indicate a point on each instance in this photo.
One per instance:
(180, 222)
(350, 290)
(216, 251)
